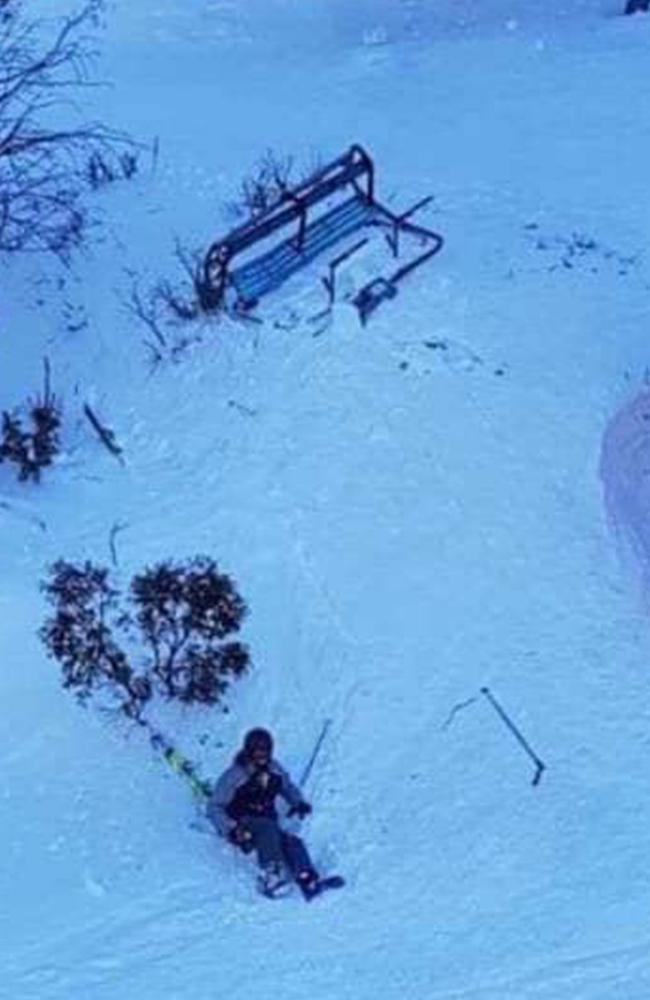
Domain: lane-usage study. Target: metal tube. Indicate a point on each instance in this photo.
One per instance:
(312, 760)
(539, 764)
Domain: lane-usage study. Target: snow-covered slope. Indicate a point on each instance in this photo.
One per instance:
(412, 510)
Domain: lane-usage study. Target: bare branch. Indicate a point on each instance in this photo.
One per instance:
(147, 312)
(47, 381)
(106, 436)
(115, 530)
(192, 264)
(179, 307)
(42, 165)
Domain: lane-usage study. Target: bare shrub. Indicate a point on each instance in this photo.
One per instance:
(42, 161)
(102, 168)
(267, 186)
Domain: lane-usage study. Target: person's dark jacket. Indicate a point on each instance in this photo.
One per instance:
(243, 791)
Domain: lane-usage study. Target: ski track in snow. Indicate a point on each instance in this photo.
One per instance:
(184, 938)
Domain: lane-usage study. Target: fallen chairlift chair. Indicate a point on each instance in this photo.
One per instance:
(241, 286)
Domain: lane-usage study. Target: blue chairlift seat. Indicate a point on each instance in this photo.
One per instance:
(271, 269)
(309, 237)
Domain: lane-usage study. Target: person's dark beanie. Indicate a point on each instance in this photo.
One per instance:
(258, 739)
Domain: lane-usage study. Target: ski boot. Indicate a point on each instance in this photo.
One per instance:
(272, 881)
(311, 884)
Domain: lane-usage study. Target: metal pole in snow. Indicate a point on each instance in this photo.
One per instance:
(314, 754)
(539, 764)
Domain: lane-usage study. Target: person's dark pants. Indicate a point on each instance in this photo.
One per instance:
(276, 846)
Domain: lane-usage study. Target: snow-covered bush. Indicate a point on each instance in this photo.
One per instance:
(174, 625)
(31, 449)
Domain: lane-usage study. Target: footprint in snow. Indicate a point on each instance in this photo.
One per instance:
(458, 357)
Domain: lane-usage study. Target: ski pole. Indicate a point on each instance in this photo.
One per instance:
(312, 760)
(539, 764)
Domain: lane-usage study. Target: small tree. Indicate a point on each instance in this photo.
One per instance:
(81, 637)
(184, 612)
(181, 613)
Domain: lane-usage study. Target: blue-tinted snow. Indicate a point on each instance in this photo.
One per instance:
(412, 511)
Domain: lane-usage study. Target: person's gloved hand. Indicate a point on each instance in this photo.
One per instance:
(301, 809)
(241, 837)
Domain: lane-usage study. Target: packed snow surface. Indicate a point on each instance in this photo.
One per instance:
(414, 511)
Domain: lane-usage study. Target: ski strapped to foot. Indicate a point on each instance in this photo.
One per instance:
(179, 763)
